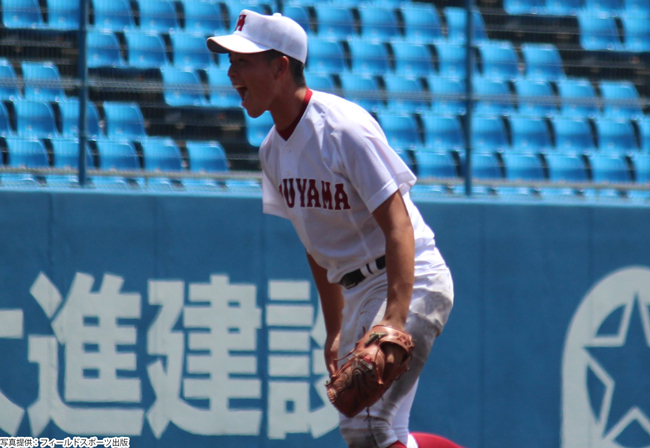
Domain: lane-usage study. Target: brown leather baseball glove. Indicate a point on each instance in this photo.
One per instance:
(363, 379)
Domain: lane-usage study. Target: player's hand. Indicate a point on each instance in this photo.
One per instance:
(331, 350)
(394, 353)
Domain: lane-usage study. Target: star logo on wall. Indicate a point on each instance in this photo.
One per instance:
(620, 384)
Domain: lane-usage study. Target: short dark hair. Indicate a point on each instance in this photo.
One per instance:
(296, 67)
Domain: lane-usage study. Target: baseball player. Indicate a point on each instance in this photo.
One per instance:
(328, 168)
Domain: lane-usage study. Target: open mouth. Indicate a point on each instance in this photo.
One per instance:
(243, 91)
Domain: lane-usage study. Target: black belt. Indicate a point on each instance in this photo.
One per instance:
(353, 278)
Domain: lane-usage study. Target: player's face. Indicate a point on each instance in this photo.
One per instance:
(252, 75)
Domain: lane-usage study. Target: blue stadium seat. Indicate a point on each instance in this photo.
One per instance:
(565, 167)
(5, 124)
(435, 164)
(333, 21)
(412, 59)
(536, 98)
(609, 168)
(522, 167)
(543, 62)
(22, 14)
(572, 135)
(530, 134)
(203, 17)
(641, 164)
(598, 32)
(485, 166)
(320, 81)
(299, 14)
(35, 118)
(124, 121)
(161, 153)
(499, 60)
(114, 15)
(63, 14)
(146, 50)
(182, 87)
(492, 97)
(157, 16)
(637, 33)
(451, 61)
(637, 8)
(405, 94)
(615, 136)
(361, 89)
(421, 23)
(220, 88)
(401, 130)
(325, 56)
(577, 98)
(65, 154)
(608, 7)
(368, 57)
(563, 7)
(489, 134)
(456, 24)
(447, 95)
(207, 157)
(8, 81)
(258, 128)
(378, 23)
(42, 81)
(234, 7)
(190, 51)
(104, 50)
(644, 131)
(518, 7)
(620, 100)
(442, 132)
(29, 153)
(115, 155)
(70, 119)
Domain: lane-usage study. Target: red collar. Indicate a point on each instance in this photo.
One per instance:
(286, 133)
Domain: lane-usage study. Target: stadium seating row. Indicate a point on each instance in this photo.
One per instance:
(574, 7)
(531, 95)
(539, 167)
(553, 167)
(420, 22)
(574, 98)
(125, 120)
(431, 132)
(162, 154)
(159, 154)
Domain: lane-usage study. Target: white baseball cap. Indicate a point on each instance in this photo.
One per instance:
(255, 33)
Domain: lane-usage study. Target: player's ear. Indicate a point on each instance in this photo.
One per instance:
(281, 66)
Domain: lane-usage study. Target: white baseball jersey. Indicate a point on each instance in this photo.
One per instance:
(334, 170)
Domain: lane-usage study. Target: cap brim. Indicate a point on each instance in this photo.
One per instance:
(234, 43)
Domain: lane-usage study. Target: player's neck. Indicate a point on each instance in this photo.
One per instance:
(286, 108)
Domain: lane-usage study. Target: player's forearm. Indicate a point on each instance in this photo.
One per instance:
(400, 269)
(395, 222)
(331, 298)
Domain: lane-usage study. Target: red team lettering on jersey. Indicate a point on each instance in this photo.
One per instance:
(313, 197)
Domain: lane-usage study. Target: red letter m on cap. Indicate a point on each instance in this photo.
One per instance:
(240, 22)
